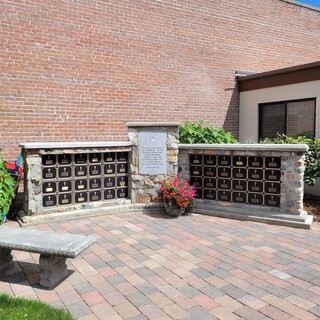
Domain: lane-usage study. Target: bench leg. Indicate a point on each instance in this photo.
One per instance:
(53, 270)
(5, 259)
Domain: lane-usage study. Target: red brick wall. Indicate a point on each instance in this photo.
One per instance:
(78, 70)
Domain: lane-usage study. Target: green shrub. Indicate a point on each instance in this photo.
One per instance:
(312, 160)
(197, 132)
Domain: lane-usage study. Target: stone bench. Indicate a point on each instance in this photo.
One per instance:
(54, 249)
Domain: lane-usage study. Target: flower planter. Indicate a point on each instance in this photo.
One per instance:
(172, 209)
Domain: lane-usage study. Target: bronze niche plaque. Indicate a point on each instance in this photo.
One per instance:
(95, 157)
(109, 182)
(49, 201)
(210, 171)
(122, 193)
(196, 170)
(109, 194)
(64, 159)
(49, 187)
(109, 169)
(198, 193)
(209, 183)
(95, 170)
(239, 161)
(210, 194)
(80, 158)
(273, 162)
(210, 160)
(239, 173)
(224, 195)
(255, 174)
(80, 197)
(197, 182)
(95, 183)
(272, 175)
(239, 197)
(272, 187)
(224, 172)
(122, 181)
(122, 168)
(64, 199)
(80, 171)
(256, 162)
(95, 195)
(255, 198)
(255, 186)
(64, 172)
(81, 184)
(196, 159)
(272, 200)
(239, 185)
(224, 184)
(49, 160)
(109, 157)
(48, 173)
(224, 161)
(122, 156)
(64, 186)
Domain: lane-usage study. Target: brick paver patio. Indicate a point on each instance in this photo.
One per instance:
(196, 267)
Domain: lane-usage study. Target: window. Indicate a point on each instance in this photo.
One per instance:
(290, 117)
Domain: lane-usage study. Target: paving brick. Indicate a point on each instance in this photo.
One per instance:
(200, 314)
(248, 313)
(274, 313)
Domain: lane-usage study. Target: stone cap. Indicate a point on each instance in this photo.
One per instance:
(247, 147)
(153, 124)
(75, 144)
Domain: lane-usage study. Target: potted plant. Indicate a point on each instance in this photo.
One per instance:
(6, 190)
(177, 195)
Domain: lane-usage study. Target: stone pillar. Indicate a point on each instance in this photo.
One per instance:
(144, 186)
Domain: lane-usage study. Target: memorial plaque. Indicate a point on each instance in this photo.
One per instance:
(122, 156)
(49, 173)
(64, 172)
(122, 168)
(256, 162)
(196, 159)
(196, 171)
(109, 169)
(122, 181)
(195, 181)
(255, 174)
(109, 182)
(239, 185)
(95, 195)
(80, 158)
(273, 162)
(224, 172)
(255, 186)
(210, 194)
(272, 187)
(94, 157)
(95, 170)
(64, 159)
(80, 171)
(209, 183)
(64, 199)
(210, 160)
(152, 153)
(95, 183)
(272, 200)
(255, 198)
(224, 184)
(109, 157)
(49, 201)
(81, 197)
(210, 171)
(81, 184)
(224, 161)
(64, 186)
(224, 195)
(239, 173)
(198, 193)
(109, 194)
(272, 175)
(122, 193)
(49, 187)
(240, 197)
(49, 160)
(239, 161)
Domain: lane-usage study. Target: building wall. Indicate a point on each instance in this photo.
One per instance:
(249, 101)
(79, 70)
